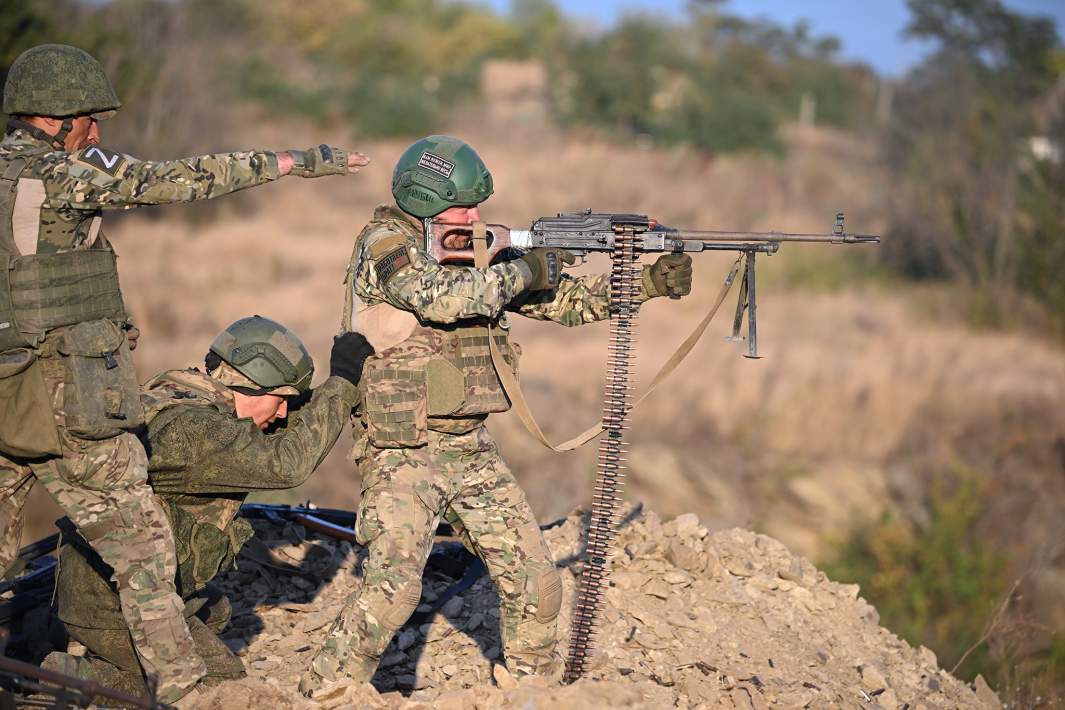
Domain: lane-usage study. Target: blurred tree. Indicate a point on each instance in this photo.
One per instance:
(718, 81)
(959, 149)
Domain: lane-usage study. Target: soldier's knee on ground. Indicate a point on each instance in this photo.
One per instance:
(112, 645)
(97, 670)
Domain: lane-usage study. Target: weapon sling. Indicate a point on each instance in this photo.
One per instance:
(513, 388)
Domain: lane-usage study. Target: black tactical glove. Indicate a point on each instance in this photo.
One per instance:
(319, 161)
(350, 351)
(546, 264)
(670, 275)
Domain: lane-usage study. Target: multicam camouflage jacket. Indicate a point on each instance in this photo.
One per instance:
(72, 188)
(433, 368)
(203, 462)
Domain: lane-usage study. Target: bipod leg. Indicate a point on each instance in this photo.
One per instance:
(741, 306)
(752, 306)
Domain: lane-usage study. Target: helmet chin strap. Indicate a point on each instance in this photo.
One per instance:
(56, 141)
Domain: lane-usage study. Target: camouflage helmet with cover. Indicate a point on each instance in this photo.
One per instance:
(58, 80)
(439, 172)
(259, 353)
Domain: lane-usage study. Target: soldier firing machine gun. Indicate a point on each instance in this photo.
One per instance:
(625, 237)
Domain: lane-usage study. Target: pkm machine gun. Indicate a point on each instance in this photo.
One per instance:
(625, 237)
(582, 233)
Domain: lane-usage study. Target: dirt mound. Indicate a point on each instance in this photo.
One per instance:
(692, 619)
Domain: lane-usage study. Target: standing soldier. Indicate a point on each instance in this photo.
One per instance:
(68, 391)
(423, 450)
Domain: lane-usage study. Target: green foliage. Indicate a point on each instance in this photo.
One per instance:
(400, 67)
(718, 82)
(388, 68)
(937, 584)
(974, 203)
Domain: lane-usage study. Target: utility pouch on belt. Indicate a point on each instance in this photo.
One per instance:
(395, 396)
(27, 425)
(100, 393)
(463, 381)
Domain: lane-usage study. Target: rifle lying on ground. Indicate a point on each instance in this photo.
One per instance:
(34, 687)
(625, 237)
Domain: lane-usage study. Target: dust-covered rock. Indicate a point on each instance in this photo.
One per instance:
(728, 619)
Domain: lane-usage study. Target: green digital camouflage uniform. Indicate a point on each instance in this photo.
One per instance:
(94, 468)
(203, 464)
(419, 465)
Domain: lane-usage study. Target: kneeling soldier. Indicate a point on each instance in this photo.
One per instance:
(211, 442)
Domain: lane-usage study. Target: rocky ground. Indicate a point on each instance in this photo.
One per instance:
(729, 619)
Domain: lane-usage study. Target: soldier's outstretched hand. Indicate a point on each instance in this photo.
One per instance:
(320, 160)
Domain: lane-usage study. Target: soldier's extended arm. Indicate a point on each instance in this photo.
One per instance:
(399, 273)
(99, 178)
(203, 451)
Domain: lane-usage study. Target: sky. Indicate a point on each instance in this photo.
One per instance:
(871, 31)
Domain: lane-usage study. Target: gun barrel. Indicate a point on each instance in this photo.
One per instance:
(714, 235)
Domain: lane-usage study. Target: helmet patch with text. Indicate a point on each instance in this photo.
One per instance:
(440, 166)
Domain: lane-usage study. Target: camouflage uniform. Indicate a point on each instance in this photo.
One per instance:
(424, 453)
(93, 466)
(203, 464)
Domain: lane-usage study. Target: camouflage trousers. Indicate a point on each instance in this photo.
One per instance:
(406, 492)
(102, 486)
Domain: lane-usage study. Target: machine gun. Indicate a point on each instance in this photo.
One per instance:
(586, 232)
(625, 237)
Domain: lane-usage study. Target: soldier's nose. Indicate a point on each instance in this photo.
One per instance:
(473, 214)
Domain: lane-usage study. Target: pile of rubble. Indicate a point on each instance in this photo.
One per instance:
(692, 619)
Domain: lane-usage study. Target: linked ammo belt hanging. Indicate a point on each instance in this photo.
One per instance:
(617, 405)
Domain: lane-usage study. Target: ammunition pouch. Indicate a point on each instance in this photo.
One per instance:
(395, 399)
(462, 380)
(44, 291)
(100, 394)
(27, 427)
(434, 373)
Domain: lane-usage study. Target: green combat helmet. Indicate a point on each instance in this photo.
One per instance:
(58, 80)
(265, 355)
(439, 172)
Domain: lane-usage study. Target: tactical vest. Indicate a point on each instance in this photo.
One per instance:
(207, 534)
(41, 286)
(423, 377)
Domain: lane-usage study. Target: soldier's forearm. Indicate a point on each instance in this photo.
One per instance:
(584, 299)
(200, 178)
(445, 294)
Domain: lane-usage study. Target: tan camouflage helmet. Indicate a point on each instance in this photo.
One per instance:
(58, 80)
(264, 356)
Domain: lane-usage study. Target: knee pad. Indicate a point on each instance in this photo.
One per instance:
(547, 590)
(403, 603)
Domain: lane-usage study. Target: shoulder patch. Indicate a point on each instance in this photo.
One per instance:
(391, 262)
(102, 159)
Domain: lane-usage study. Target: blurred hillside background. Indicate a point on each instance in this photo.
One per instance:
(906, 428)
